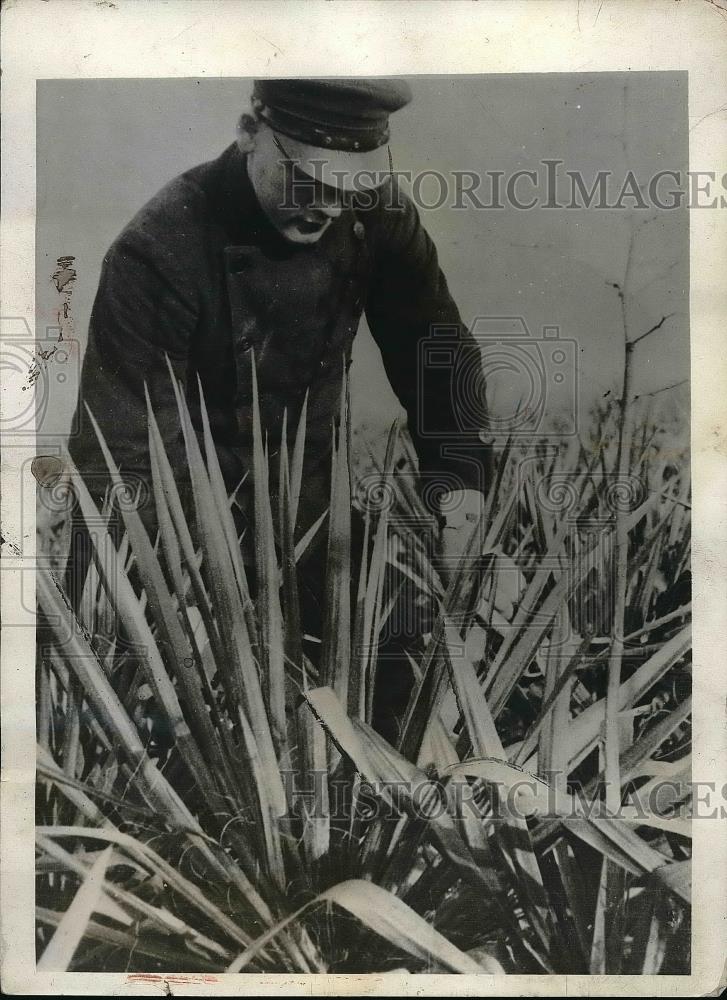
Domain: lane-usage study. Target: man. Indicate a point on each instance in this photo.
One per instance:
(273, 251)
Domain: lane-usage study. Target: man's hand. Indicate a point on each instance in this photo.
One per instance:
(461, 511)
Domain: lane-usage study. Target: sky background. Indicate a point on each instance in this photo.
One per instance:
(104, 147)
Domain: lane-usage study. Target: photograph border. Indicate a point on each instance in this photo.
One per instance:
(217, 38)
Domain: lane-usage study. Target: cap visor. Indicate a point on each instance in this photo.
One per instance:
(337, 168)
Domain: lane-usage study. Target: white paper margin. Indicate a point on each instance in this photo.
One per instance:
(209, 38)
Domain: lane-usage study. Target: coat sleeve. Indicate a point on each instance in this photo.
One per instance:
(145, 311)
(430, 357)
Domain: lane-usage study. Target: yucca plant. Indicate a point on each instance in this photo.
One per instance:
(209, 799)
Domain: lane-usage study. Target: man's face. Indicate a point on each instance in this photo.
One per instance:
(300, 208)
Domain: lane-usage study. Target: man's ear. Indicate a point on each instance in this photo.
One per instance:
(247, 127)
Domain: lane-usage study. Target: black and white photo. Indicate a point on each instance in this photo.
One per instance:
(359, 413)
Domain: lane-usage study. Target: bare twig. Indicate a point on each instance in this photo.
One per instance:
(656, 326)
(664, 388)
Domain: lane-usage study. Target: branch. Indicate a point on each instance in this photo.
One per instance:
(632, 343)
(664, 388)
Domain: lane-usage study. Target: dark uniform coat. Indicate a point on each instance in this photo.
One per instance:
(200, 275)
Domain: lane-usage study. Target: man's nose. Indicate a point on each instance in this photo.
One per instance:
(330, 210)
